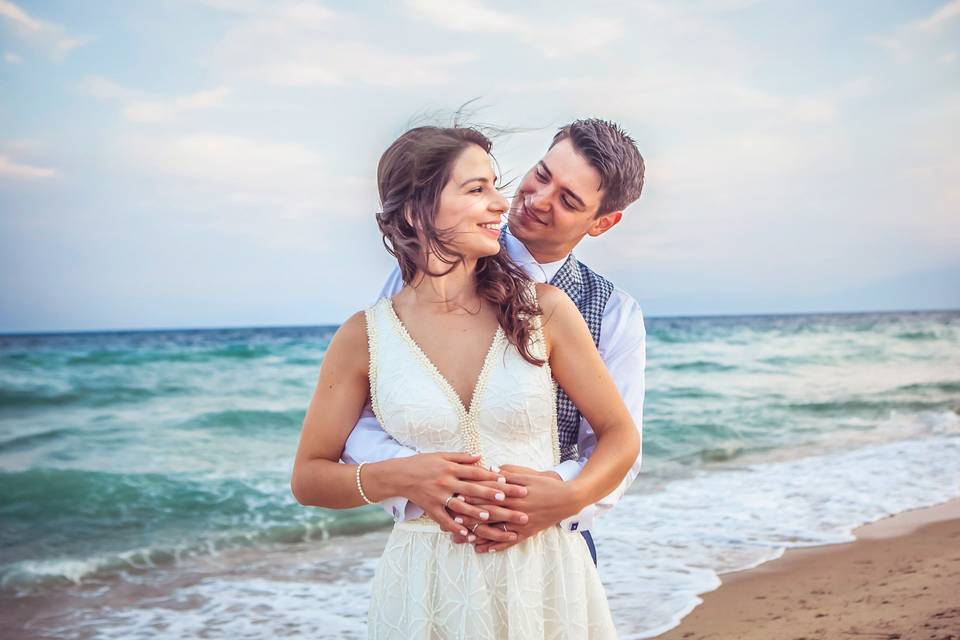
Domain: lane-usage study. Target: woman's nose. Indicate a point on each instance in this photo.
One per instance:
(499, 204)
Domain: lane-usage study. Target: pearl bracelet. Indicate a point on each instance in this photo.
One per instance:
(362, 494)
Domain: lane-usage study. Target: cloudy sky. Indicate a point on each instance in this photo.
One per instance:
(211, 163)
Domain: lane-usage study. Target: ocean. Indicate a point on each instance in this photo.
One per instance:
(144, 475)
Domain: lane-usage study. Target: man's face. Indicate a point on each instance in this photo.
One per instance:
(556, 203)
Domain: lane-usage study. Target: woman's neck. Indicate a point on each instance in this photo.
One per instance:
(451, 292)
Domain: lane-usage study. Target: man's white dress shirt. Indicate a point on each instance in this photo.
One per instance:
(623, 349)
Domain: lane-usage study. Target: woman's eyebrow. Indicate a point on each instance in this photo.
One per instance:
(479, 179)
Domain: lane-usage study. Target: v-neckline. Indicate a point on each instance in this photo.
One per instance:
(448, 388)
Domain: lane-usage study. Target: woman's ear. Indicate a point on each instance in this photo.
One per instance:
(408, 215)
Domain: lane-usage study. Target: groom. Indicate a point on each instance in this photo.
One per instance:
(589, 175)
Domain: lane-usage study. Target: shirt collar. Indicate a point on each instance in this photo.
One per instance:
(519, 254)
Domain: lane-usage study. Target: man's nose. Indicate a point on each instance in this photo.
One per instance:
(538, 200)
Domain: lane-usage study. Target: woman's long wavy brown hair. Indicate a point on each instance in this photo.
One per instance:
(412, 173)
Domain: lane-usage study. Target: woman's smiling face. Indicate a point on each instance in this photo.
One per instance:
(470, 209)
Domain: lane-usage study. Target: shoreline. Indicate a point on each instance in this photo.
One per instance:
(895, 581)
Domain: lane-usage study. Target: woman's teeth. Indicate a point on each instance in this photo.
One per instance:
(492, 226)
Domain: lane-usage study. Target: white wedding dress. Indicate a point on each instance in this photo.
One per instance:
(428, 587)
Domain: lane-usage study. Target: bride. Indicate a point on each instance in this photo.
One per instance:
(461, 366)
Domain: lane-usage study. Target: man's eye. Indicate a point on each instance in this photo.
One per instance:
(476, 190)
(566, 203)
(541, 177)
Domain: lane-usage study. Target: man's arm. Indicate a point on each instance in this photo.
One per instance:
(368, 442)
(623, 349)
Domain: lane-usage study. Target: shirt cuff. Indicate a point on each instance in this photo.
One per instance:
(582, 521)
(401, 509)
(568, 470)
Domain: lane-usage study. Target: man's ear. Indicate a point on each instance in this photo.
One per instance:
(604, 223)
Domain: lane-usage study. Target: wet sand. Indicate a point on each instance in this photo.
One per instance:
(900, 580)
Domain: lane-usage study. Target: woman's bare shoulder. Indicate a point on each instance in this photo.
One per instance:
(553, 300)
(349, 343)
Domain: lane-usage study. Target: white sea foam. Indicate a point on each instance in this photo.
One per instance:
(657, 551)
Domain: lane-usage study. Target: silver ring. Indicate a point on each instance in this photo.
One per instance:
(473, 529)
(504, 528)
(447, 501)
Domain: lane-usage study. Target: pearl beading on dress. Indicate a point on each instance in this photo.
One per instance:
(372, 367)
(467, 418)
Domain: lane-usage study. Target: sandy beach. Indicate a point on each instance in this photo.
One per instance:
(898, 580)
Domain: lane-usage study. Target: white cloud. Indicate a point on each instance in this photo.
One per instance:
(12, 58)
(277, 192)
(465, 15)
(939, 18)
(233, 161)
(575, 36)
(13, 169)
(276, 178)
(21, 18)
(34, 29)
(911, 38)
(301, 45)
(726, 6)
(64, 45)
(138, 106)
(341, 63)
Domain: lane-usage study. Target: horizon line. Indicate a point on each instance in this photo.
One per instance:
(64, 332)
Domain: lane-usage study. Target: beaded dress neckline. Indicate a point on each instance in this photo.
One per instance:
(463, 410)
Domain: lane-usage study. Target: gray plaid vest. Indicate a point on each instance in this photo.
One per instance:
(590, 292)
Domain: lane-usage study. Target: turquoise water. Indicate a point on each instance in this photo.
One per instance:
(162, 453)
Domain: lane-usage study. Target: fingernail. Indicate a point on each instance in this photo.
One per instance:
(471, 538)
(458, 520)
(463, 532)
(500, 496)
(494, 468)
(464, 498)
(524, 518)
(492, 550)
(484, 515)
(523, 491)
(502, 480)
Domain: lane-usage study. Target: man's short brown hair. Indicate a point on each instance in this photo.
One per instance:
(609, 150)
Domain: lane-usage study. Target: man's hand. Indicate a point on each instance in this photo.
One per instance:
(549, 500)
(498, 515)
(516, 468)
(429, 479)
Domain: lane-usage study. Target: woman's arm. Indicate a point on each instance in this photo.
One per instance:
(319, 479)
(578, 368)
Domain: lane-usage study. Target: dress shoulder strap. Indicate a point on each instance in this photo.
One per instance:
(538, 347)
(538, 342)
(372, 314)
